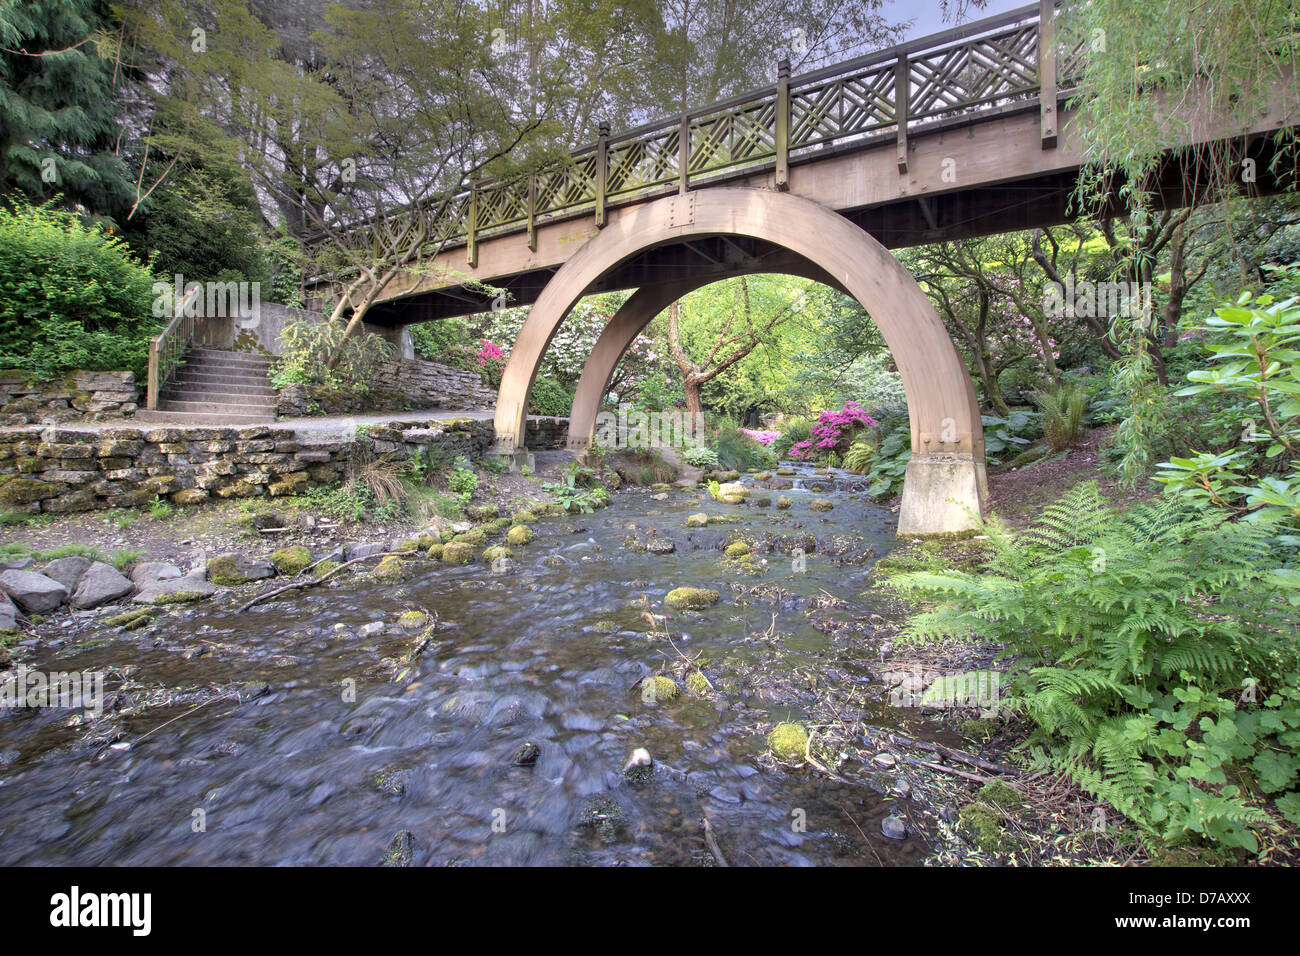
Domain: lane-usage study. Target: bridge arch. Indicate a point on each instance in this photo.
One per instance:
(944, 488)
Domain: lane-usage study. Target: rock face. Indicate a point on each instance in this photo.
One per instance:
(100, 584)
(92, 396)
(34, 593)
(150, 571)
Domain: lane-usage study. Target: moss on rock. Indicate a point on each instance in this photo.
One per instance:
(457, 552)
(659, 688)
(821, 504)
(697, 683)
(291, 560)
(325, 567)
(738, 549)
(435, 551)
(983, 826)
(697, 521)
(691, 597)
(412, 620)
(497, 553)
(783, 502)
(389, 569)
(788, 741)
(475, 538)
(520, 535)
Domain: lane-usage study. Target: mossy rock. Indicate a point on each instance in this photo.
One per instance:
(821, 504)
(763, 476)
(788, 741)
(605, 626)
(738, 549)
(1001, 793)
(408, 546)
(763, 501)
(786, 472)
(683, 598)
(176, 597)
(412, 620)
(457, 552)
(426, 541)
(475, 538)
(482, 512)
(783, 503)
(131, 619)
(389, 569)
(983, 826)
(325, 567)
(523, 517)
(497, 553)
(224, 570)
(502, 523)
(697, 521)
(659, 688)
(435, 551)
(697, 683)
(519, 535)
(291, 560)
(982, 727)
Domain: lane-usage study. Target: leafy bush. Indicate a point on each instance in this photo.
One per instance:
(700, 456)
(461, 479)
(71, 296)
(307, 347)
(577, 489)
(1139, 640)
(793, 431)
(736, 451)
(550, 396)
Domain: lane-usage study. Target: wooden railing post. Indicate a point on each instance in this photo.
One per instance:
(902, 91)
(684, 154)
(151, 386)
(602, 173)
(471, 228)
(532, 212)
(1047, 73)
(782, 133)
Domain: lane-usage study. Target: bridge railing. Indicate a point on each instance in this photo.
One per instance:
(976, 67)
(167, 349)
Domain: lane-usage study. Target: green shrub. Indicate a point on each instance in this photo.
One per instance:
(1139, 641)
(71, 296)
(700, 456)
(1063, 410)
(462, 481)
(550, 396)
(307, 347)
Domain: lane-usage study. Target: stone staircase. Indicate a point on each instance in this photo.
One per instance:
(215, 387)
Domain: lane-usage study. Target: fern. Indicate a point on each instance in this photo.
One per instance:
(1131, 635)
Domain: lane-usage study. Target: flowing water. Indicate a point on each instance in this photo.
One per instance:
(549, 651)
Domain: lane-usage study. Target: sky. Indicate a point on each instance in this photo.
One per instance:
(928, 18)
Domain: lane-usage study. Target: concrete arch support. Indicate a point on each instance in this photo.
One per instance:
(944, 488)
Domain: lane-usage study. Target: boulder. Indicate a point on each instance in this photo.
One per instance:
(34, 593)
(364, 549)
(8, 613)
(152, 571)
(691, 597)
(235, 569)
(176, 590)
(100, 584)
(67, 571)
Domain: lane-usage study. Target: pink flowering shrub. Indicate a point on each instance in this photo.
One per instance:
(491, 361)
(764, 438)
(832, 432)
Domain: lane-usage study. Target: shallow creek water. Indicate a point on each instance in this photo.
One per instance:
(300, 775)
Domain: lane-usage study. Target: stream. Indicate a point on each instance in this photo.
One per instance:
(298, 771)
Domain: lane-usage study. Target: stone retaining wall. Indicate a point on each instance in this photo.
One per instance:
(399, 384)
(58, 470)
(77, 396)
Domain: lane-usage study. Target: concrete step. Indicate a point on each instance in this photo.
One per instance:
(218, 355)
(218, 383)
(191, 395)
(234, 408)
(167, 416)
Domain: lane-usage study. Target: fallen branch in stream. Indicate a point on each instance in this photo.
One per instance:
(948, 753)
(711, 842)
(312, 582)
(930, 765)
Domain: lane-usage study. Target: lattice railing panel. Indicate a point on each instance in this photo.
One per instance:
(650, 161)
(974, 73)
(743, 135)
(843, 107)
(569, 185)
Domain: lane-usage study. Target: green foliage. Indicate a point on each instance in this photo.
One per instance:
(793, 431)
(462, 481)
(736, 451)
(577, 490)
(1011, 432)
(71, 296)
(160, 509)
(1136, 638)
(550, 396)
(700, 456)
(352, 500)
(1063, 410)
(308, 345)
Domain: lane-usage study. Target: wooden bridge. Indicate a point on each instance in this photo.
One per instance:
(961, 134)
